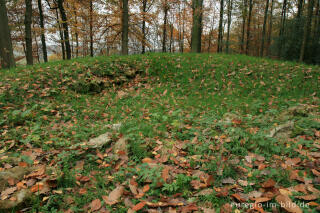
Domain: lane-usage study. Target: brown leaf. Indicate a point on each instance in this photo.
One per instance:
(79, 165)
(189, 208)
(308, 197)
(300, 188)
(207, 210)
(11, 181)
(37, 187)
(114, 196)
(133, 185)
(95, 205)
(292, 161)
(145, 188)
(222, 192)
(147, 160)
(262, 199)
(82, 191)
(139, 206)
(39, 172)
(7, 192)
(287, 204)
(165, 173)
(238, 197)
(268, 184)
(226, 208)
(315, 172)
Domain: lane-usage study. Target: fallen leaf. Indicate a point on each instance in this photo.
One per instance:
(165, 173)
(114, 196)
(268, 184)
(11, 181)
(226, 208)
(287, 204)
(308, 197)
(207, 210)
(7, 192)
(139, 206)
(262, 199)
(189, 208)
(95, 205)
(146, 188)
(37, 187)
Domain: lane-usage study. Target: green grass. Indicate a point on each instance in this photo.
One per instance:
(175, 98)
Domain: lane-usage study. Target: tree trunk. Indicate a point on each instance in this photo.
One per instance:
(171, 38)
(270, 28)
(28, 34)
(244, 18)
(248, 26)
(264, 27)
(220, 36)
(282, 25)
(165, 17)
(6, 52)
(230, 4)
(76, 33)
(61, 37)
(196, 32)
(43, 38)
(143, 42)
(307, 31)
(125, 28)
(91, 28)
(65, 28)
(300, 7)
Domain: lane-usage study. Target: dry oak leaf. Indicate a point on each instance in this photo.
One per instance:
(139, 206)
(287, 204)
(189, 208)
(308, 197)
(95, 205)
(37, 187)
(7, 192)
(262, 199)
(114, 196)
(268, 184)
(226, 208)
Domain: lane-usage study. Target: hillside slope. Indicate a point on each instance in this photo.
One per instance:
(170, 126)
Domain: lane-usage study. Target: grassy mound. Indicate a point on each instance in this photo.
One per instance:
(229, 118)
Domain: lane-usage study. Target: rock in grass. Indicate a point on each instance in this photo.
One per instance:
(99, 141)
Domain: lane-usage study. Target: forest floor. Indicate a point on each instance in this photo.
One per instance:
(160, 133)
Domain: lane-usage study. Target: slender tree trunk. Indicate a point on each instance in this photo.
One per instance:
(43, 38)
(76, 33)
(165, 17)
(28, 33)
(171, 38)
(264, 28)
(307, 31)
(244, 18)
(61, 37)
(300, 7)
(143, 42)
(196, 26)
(183, 31)
(65, 28)
(248, 26)
(6, 52)
(282, 25)
(270, 28)
(230, 4)
(91, 28)
(220, 36)
(125, 28)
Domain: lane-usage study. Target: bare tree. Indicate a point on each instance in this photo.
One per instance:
(6, 53)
